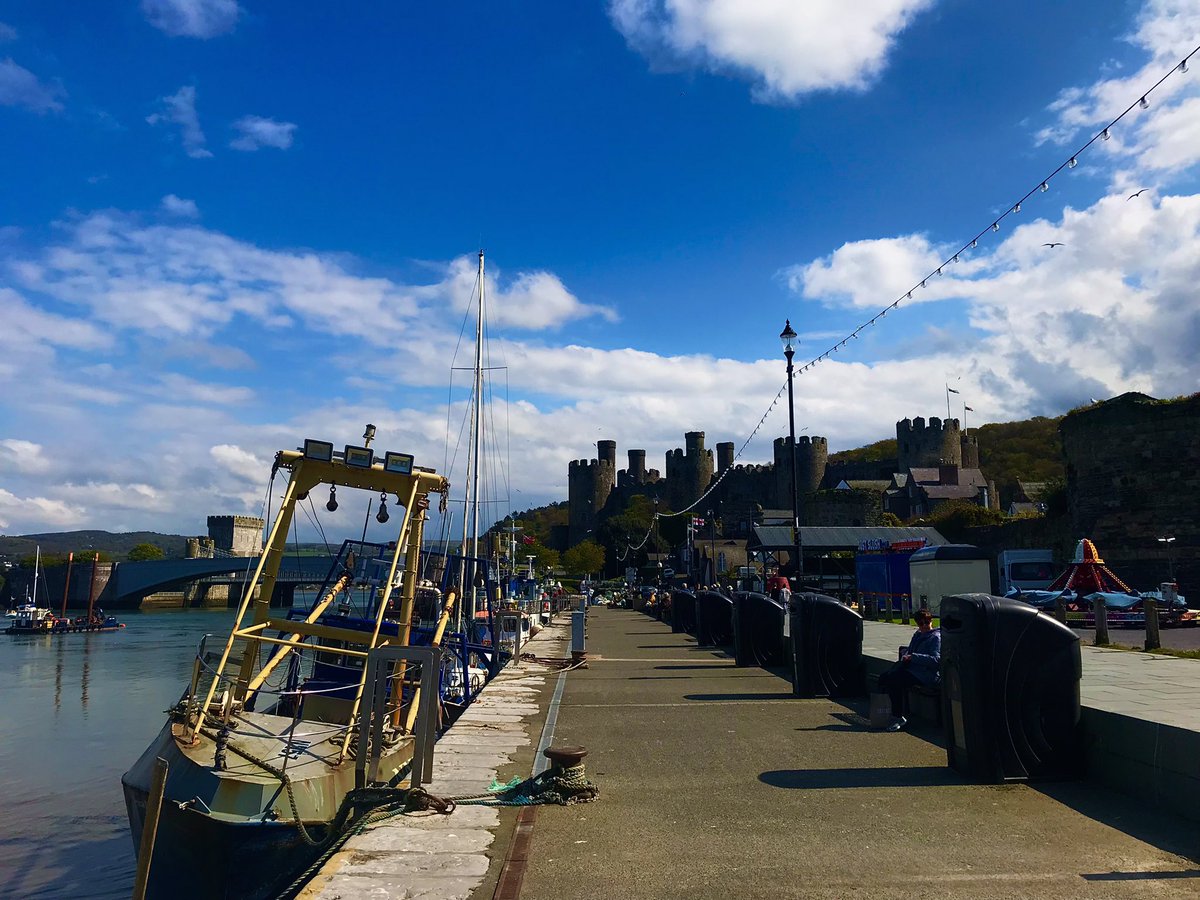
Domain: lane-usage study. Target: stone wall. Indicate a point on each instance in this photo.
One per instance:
(844, 508)
(1133, 476)
(239, 535)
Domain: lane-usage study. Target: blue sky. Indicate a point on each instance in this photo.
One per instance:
(229, 224)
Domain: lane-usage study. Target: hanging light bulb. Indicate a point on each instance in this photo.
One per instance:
(1072, 163)
(974, 243)
(955, 259)
(1143, 103)
(939, 271)
(922, 284)
(332, 505)
(995, 226)
(1105, 135)
(910, 295)
(1183, 66)
(1045, 187)
(1017, 208)
(382, 516)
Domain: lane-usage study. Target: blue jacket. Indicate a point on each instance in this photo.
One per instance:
(926, 650)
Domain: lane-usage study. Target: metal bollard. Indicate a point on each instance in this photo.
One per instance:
(905, 608)
(1100, 610)
(578, 638)
(1150, 606)
(1060, 610)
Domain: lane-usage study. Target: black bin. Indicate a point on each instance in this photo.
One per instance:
(714, 619)
(758, 630)
(826, 639)
(683, 611)
(1010, 690)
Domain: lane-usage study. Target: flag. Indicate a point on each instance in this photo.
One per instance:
(967, 408)
(697, 521)
(528, 539)
(951, 390)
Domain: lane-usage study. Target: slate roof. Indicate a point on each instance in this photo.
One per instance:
(866, 485)
(821, 537)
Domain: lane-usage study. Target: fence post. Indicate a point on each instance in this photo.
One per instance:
(1100, 610)
(905, 608)
(1150, 607)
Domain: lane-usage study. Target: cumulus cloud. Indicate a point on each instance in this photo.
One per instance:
(192, 18)
(788, 48)
(256, 132)
(180, 109)
(40, 510)
(177, 206)
(21, 456)
(20, 87)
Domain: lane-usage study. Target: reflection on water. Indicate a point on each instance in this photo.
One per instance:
(75, 712)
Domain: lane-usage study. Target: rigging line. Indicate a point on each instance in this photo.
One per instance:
(1040, 186)
(446, 467)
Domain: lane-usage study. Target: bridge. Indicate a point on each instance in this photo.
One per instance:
(132, 582)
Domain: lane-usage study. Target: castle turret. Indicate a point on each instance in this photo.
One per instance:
(606, 452)
(637, 466)
(970, 452)
(812, 455)
(688, 473)
(589, 483)
(724, 455)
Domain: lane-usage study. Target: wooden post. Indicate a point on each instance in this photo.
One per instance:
(92, 587)
(67, 583)
(1100, 610)
(150, 828)
(1150, 607)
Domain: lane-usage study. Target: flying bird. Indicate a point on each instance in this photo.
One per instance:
(1054, 244)
(1138, 194)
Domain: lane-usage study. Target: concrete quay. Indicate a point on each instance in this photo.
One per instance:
(716, 782)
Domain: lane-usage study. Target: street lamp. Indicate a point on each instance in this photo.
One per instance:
(712, 545)
(788, 338)
(1169, 540)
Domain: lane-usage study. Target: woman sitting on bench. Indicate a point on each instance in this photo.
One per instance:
(918, 664)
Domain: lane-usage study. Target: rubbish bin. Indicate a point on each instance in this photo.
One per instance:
(714, 619)
(683, 611)
(826, 641)
(1010, 690)
(758, 630)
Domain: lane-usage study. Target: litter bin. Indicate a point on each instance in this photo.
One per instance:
(758, 630)
(1010, 690)
(714, 619)
(826, 641)
(683, 611)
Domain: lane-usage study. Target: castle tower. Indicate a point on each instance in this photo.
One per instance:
(724, 455)
(970, 452)
(921, 446)
(812, 455)
(688, 473)
(589, 483)
(239, 535)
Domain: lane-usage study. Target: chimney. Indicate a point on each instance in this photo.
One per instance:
(947, 473)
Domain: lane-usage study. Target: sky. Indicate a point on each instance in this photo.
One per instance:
(229, 225)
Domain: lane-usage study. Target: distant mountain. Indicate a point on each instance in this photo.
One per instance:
(116, 545)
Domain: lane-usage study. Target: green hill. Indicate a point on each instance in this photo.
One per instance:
(113, 545)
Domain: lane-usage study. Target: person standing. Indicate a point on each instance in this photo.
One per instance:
(919, 664)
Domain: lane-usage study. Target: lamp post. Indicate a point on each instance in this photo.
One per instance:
(1169, 540)
(788, 338)
(712, 544)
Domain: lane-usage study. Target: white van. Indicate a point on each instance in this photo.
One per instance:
(1028, 570)
(937, 572)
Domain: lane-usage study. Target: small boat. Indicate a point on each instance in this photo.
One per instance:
(32, 619)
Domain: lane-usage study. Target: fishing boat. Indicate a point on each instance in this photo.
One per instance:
(32, 619)
(261, 747)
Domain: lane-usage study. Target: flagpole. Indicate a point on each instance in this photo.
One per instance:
(947, 402)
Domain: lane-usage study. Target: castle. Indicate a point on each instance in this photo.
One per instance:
(929, 454)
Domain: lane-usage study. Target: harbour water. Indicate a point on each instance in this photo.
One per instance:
(75, 712)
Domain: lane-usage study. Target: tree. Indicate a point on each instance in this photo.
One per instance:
(143, 552)
(584, 558)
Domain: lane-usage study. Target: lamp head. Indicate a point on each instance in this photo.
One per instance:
(787, 337)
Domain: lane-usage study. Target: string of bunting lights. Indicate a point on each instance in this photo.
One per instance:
(1041, 186)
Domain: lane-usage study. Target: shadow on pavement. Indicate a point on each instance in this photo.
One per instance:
(706, 667)
(1140, 876)
(905, 776)
(1136, 818)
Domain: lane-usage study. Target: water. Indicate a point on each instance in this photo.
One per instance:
(75, 712)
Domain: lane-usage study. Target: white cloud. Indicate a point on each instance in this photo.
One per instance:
(180, 109)
(192, 18)
(178, 206)
(790, 48)
(258, 132)
(20, 87)
(242, 463)
(41, 511)
(24, 457)
(7, 32)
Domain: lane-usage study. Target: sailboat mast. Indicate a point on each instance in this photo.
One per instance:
(471, 515)
(37, 561)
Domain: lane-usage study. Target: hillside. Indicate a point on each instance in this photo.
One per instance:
(114, 545)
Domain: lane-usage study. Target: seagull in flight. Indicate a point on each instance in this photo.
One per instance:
(1138, 194)
(1054, 244)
